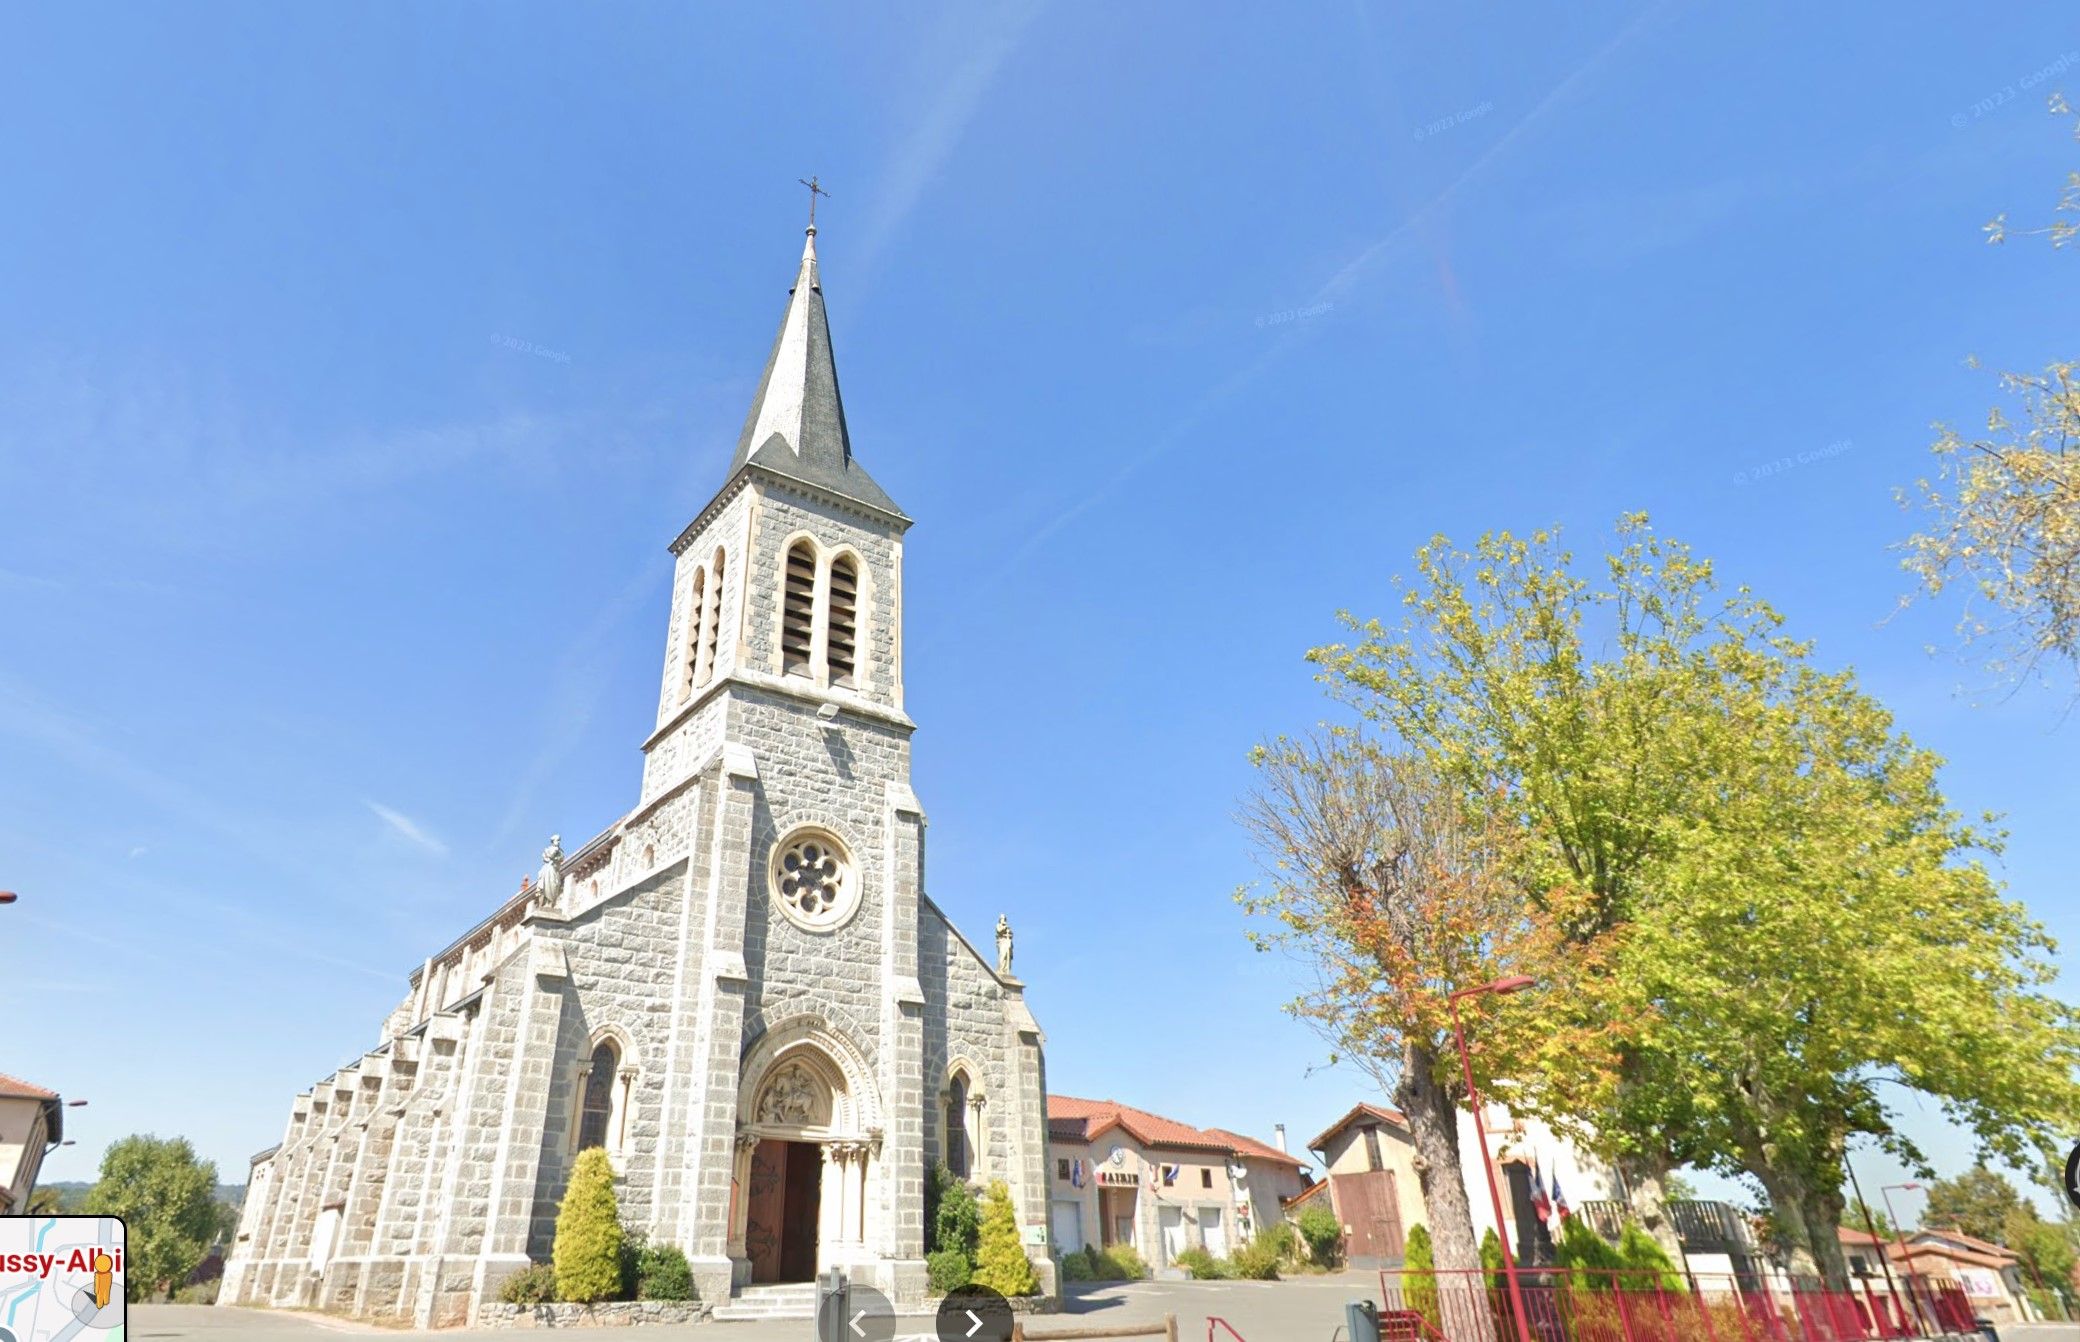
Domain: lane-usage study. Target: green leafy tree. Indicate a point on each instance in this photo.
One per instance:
(587, 1251)
(1419, 1276)
(167, 1199)
(1978, 1202)
(1745, 824)
(1000, 1259)
(2047, 1251)
(45, 1201)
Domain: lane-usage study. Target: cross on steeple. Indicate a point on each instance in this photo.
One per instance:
(814, 192)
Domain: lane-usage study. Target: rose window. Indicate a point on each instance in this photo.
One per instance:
(812, 877)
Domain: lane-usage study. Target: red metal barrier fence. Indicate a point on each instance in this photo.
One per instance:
(1585, 1305)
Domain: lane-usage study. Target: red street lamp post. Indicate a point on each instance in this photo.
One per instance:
(1906, 1260)
(1480, 1128)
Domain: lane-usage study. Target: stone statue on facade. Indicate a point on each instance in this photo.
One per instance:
(549, 885)
(1003, 945)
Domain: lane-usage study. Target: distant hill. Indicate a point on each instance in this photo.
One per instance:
(71, 1192)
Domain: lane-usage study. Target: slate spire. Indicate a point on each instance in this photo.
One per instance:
(797, 422)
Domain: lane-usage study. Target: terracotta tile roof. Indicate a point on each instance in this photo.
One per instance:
(1388, 1116)
(1863, 1237)
(1932, 1256)
(1249, 1148)
(1969, 1241)
(1073, 1119)
(16, 1089)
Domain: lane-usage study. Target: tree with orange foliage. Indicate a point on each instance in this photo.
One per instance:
(1395, 893)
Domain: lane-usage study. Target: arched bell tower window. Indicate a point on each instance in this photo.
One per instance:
(842, 647)
(798, 610)
(957, 1125)
(696, 623)
(711, 625)
(596, 1109)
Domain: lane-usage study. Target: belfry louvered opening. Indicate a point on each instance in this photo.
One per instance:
(711, 626)
(697, 617)
(798, 610)
(844, 631)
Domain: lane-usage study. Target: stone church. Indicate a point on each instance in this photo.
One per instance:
(740, 990)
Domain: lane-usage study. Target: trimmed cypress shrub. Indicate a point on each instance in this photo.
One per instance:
(1419, 1276)
(1000, 1260)
(588, 1233)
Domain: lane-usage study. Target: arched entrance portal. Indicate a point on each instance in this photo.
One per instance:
(808, 1146)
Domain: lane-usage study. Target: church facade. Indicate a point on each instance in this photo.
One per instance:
(740, 990)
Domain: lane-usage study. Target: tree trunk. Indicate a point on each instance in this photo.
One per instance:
(1787, 1203)
(1433, 1124)
(1646, 1191)
(1823, 1212)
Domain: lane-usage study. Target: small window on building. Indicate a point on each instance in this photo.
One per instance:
(1205, 1178)
(1061, 1169)
(1372, 1158)
(798, 610)
(844, 627)
(596, 1106)
(957, 1125)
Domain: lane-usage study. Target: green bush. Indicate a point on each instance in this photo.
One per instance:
(1419, 1278)
(1000, 1260)
(1588, 1253)
(1648, 1266)
(587, 1252)
(205, 1293)
(662, 1273)
(1118, 1263)
(1077, 1267)
(1201, 1265)
(1283, 1239)
(1255, 1260)
(534, 1284)
(1324, 1236)
(956, 1219)
(948, 1270)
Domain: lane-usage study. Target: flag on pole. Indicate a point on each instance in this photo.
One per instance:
(1560, 1208)
(1541, 1202)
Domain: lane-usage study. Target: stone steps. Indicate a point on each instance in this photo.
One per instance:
(793, 1301)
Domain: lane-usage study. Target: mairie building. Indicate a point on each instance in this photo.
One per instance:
(740, 990)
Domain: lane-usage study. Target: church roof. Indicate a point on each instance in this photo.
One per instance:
(796, 427)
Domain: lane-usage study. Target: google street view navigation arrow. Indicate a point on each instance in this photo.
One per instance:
(974, 1314)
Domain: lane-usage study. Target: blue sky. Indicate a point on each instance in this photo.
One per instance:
(358, 364)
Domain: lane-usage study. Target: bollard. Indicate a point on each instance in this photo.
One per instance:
(1361, 1319)
(833, 1306)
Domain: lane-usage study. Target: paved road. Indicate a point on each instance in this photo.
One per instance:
(1306, 1309)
